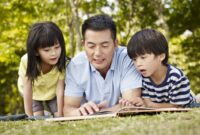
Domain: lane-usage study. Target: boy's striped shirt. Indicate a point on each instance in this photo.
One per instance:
(175, 89)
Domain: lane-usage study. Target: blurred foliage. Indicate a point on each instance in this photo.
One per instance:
(174, 18)
(134, 15)
(183, 21)
(192, 51)
(182, 15)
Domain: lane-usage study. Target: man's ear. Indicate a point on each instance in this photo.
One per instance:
(162, 56)
(82, 42)
(116, 43)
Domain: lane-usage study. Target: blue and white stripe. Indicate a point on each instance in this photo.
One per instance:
(175, 89)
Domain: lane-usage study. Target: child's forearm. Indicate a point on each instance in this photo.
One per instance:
(151, 104)
(28, 105)
(60, 104)
(28, 102)
(28, 97)
(60, 97)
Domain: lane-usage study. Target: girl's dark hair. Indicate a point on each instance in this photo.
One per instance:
(99, 23)
(41, 35)
(148, 41)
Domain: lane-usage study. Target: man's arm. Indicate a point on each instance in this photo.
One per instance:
(73, 107)
(151, 104)
(131, 97)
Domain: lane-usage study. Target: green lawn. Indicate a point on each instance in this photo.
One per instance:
(186, 123)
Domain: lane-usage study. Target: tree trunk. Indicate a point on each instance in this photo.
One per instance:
(76, 24)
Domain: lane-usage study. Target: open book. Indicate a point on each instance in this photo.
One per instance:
(124, 111)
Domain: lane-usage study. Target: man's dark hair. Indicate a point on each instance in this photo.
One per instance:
(99, 23)
(148, 41)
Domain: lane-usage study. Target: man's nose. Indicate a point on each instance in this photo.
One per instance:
(97, 50)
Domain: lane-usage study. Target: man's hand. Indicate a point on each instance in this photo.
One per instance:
(137, 101)
(90, 108)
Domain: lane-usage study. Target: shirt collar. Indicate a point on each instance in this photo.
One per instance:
(52, 71)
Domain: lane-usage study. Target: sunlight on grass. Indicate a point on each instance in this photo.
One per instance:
(160, 124)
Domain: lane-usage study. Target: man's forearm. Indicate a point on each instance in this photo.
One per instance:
(112, 109)
(70, 111)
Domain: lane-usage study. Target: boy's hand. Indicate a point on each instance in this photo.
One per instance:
(137, 101)
(124, 102)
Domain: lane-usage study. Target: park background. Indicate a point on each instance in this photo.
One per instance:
(178, 20)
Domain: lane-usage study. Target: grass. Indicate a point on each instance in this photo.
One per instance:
(186, 123)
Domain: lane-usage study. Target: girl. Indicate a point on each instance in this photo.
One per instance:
(41, 70)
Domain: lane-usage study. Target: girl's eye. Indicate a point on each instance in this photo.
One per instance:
(46, 49)
(57, 47)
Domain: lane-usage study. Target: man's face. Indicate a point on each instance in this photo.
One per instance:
(100, 47)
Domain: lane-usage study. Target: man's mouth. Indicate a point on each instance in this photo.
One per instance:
(98, 61)
(142, 70)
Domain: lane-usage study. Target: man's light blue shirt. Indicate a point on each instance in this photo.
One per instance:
(83, 80)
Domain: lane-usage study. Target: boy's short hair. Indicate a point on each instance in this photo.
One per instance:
(148, 41)
(99, 23)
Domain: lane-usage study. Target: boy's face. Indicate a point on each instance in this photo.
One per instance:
(100, 48)
(148, 64)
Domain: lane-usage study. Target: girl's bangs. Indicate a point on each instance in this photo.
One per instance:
(47, 39)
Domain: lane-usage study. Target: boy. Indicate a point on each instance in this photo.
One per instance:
(164, 85)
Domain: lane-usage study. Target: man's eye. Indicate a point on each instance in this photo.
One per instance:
(105, 45)
(91, 45)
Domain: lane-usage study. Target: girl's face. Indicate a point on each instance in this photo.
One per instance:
(148, 64)
(50, 55)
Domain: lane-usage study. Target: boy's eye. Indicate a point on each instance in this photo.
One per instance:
(143, 56)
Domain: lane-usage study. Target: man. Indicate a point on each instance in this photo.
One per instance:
(99, 76)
